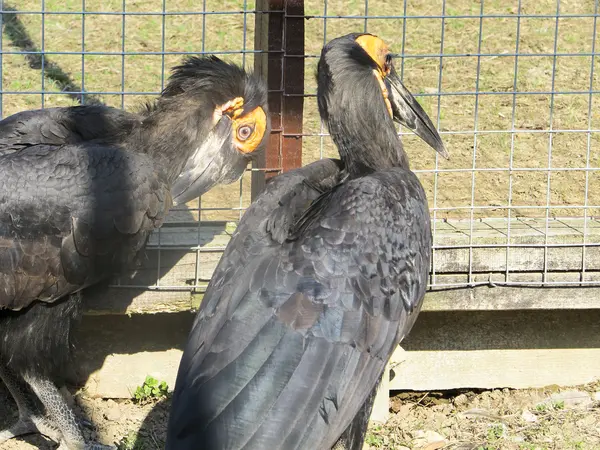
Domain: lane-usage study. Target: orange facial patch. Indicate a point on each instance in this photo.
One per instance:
(233, 107)
(384, 91)
(377, 50)
(249, 129)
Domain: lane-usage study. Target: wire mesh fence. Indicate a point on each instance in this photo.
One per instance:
(512, 86)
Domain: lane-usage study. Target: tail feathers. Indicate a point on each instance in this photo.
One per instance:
(38, 339)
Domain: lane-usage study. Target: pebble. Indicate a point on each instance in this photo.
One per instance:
(429, 440)
(461, 400)
(528, 416)
(113, 413)
(404, 411)
(478, 413)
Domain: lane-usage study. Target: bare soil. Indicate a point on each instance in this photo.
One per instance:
(551, 418)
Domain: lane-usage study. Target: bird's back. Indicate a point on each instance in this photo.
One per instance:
(59, 126)
(291, 338)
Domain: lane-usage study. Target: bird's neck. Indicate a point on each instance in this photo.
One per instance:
(169, 139)
(365, 150)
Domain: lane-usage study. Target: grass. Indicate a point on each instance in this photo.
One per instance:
(151, 390)
(131, 441)
(460, 110)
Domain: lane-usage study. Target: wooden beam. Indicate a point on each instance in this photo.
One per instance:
(261, 65)
(280, 38)
(485, 298)
(170, 261)
(293, 85)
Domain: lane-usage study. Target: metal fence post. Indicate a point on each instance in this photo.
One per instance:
(280, 37)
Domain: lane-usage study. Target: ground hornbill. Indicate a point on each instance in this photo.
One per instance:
(81, 189)
(322, 279)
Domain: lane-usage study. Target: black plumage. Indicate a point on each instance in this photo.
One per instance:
(324, 276)
(81, 189)
(59, 126)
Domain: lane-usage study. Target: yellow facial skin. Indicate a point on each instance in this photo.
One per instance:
(248, 129)
(378, 51)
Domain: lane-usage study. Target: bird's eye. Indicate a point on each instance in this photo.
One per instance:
(244, 132)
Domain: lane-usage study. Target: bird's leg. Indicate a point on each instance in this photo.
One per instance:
(61, 414)
(31, 420)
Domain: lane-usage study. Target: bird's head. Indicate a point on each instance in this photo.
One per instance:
(228, 108)
(359, 89)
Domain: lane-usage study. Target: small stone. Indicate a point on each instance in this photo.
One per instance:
(113, 413)
(596, 396)
(586, 422)
(478, 413)
(428, 440)
(404, 411)
(461, 400)
(435, 445)
(528, 416)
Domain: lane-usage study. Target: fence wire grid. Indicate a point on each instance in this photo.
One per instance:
(512, 86)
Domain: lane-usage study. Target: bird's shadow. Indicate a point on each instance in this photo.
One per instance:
(100, 336)
(19, 37)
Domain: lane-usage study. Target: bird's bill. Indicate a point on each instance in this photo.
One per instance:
(407, 111)
(205, 167)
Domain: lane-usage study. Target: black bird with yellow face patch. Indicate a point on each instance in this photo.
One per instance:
(238, 130)
(81, 189)
(322, 279)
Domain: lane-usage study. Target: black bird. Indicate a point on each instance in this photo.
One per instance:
(81, 189)
(322, 279)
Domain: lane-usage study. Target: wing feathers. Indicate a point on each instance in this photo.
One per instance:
(294, 335)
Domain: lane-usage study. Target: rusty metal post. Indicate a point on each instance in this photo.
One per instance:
(280, 35)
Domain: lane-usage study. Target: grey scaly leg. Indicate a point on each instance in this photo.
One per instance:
(62, 415)
(31, 420)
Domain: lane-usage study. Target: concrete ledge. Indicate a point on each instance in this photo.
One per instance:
(444, 351)
(115, 353)
(102, 300)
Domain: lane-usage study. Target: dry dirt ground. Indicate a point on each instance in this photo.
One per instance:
(549, 418)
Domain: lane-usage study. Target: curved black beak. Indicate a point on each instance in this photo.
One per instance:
(407, 111)
(215, 161)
